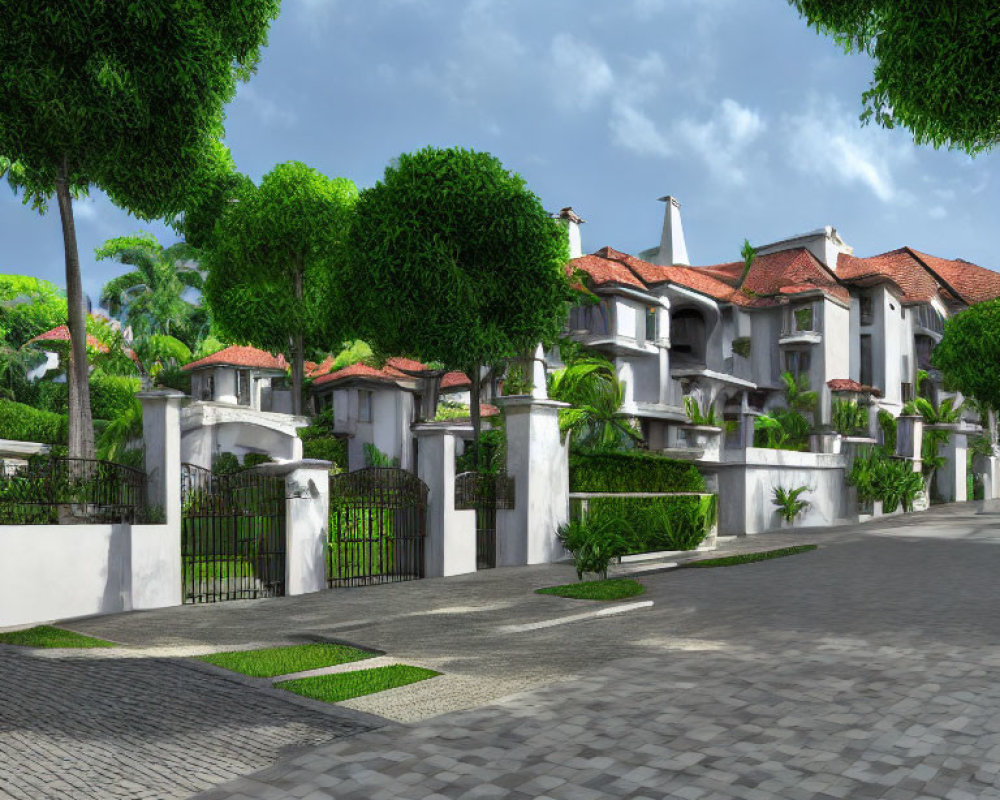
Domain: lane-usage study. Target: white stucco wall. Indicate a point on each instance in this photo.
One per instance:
(836, 355)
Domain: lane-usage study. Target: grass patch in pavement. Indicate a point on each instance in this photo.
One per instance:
(610, 589)
(47, 636)
(749, 558)
(345, 685)
(273, 661)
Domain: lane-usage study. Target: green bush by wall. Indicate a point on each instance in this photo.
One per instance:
(112, 395)
(649, 524)
(632, 471)
(26, 424)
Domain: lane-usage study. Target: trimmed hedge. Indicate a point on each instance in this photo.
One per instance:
(650, 524)
(26, 424)
(632, 471)
(112, 395)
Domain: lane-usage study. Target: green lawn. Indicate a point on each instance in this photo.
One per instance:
(749, 558)
(284, 660)
(611, 589)
(345, 685)
(47, 636)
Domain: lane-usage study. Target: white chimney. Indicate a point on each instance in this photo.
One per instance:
(572, 221)
(672, 248)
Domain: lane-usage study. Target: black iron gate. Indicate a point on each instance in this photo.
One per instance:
(378, 519)
(232, 535)
(485, 493)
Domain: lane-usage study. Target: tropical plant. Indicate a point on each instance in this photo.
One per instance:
(697, 416)
(85, 101)
(455, 260)
(749, 254)
(593, 540)
(797, 394)
(878, 476)
(292, 230)
(679, 525)
(849, 417)
(29, 306)
(15, 365)
(595, 394)
(887, 423)
(945, 413)
(956, 103)
(789, 503)
(376, 458)
(150, 298)
(769, 432)
(122, 431)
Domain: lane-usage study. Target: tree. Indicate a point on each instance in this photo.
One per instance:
(969, 353)
(127, 98)
(273, 264)
(150, 298)
(935, 65)
(453, 260)
(29, 306)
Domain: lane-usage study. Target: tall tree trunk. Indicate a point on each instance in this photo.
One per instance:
(477, 423)
(298, 357)
(81, 426)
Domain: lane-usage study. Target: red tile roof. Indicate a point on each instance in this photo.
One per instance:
(312, 369)
(240, 356)
(974, 284)
(61, 334)
(848, 385)
(899, 266)
(456, 380)
(359, 371)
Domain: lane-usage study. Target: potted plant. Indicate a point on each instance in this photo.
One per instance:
(789, 503)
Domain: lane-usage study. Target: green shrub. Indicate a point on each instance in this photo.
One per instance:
(632, 471)
(326, 448)
(877, 476)
(657, 523)
(594, 540)
(376, 458)
(888, 423)
(251, 460)
(52, 396)
(494, 446)
(26, 424)
(226, 463)
(112, 395)
(788, 503)
(850, 418)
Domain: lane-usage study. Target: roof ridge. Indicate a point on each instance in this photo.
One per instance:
(916, 256)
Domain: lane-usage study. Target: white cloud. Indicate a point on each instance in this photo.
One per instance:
(265, 109)
(826, 142)
(724, 139)
(633, 130)
(580, 74)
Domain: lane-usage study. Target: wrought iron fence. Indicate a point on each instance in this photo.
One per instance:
(233, 542)
(51, 491)
(378, 519)
(485, 492)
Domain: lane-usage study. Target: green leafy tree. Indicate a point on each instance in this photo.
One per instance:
(274, 260)
(455, 261)
(935, 65)
(150, 298)
(29, 306)
(969, 353)
(124, 97)
(592, 388)
(797, 393)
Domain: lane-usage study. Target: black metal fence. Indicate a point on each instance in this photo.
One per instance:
(233, 540)
(378, 519)
(484, 492)
(51, 491)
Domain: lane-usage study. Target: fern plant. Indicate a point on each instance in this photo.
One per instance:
(594, 540)
(697, 415)
(789, 503)
(849, 417)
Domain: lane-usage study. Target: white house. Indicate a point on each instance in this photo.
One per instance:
(240, 404)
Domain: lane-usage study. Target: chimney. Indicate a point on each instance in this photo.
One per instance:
(672, 248)
(572, 221)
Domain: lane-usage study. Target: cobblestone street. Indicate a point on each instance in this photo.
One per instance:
(862, 670)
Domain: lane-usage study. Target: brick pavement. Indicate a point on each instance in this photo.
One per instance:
(861, 670)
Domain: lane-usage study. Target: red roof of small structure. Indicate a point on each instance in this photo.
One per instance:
(456, 380)
(61, 334)
(240, 356)
(848, 385)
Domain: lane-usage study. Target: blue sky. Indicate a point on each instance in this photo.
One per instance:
(735, 107)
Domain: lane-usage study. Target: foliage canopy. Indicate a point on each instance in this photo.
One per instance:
(969, 353)
(935, 65)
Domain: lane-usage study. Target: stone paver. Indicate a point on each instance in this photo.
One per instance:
(864, 669)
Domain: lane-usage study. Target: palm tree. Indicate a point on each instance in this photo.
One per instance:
(797, 394)
(592, 388)
(150, 298)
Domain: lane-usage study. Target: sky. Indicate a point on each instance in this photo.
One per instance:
(735, 107)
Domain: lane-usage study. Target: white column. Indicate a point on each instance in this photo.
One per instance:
(538, 461)
(450, 543)
(951, 478)
(155, 550)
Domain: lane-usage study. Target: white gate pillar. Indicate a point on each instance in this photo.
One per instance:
(951, 478)
(538, 461)
(450, 543)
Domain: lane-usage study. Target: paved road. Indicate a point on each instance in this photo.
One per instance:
(864, 669)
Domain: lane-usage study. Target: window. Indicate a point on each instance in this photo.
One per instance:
(651, 324)
(924, 345)
(867, 310)
(906, 392)
(866, 360)
(364, 406)
(578, 318)
(243, 387)
(797, 362)
(207, 387)
(928, 317)
(803, 317)
(687, 335)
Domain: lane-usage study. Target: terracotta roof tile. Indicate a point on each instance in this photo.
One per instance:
(973, 283)
(848, 385)
(399, 363)
(899, 266)
(455, 380)
(61, 334)
(603, 269)
(240, 356)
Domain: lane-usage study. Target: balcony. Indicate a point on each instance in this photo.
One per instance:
(793, 336)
